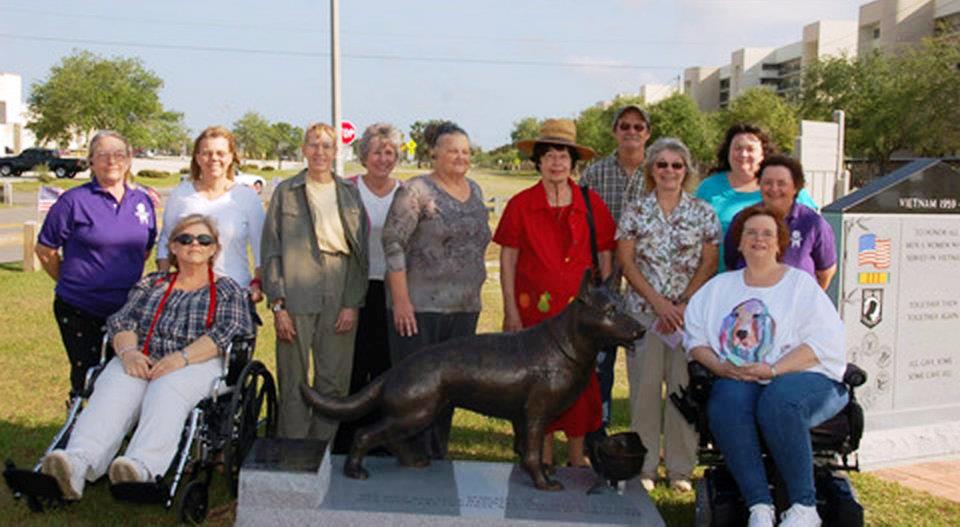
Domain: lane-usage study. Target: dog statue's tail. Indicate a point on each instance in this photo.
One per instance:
(345, 408)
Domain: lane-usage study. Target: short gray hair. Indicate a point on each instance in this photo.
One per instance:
(383, 131)
(672, 144)
(100, 136)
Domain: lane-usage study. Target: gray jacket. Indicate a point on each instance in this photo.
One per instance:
(290, 254)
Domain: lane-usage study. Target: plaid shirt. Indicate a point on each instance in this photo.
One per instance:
(608, 179)
(184, 316)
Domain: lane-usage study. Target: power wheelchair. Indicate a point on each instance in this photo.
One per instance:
(219, 431)
(718, 502)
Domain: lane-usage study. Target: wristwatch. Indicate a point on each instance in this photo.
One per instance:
(277, 306)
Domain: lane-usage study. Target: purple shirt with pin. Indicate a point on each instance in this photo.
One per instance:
(811, 246)
(105, 244)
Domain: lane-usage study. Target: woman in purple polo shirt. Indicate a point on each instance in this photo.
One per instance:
(94, 243)
(811, 248)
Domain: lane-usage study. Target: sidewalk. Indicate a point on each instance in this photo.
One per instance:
(940, 478)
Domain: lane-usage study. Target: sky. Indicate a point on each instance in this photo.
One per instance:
(484, 64)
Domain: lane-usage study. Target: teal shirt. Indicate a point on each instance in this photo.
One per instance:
(716, 191)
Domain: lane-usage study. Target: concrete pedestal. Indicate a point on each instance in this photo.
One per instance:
(287, 482)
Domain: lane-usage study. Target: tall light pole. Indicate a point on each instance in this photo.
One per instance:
(335, 82)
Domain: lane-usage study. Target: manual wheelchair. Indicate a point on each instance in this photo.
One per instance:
(718, 502)
(219, 431)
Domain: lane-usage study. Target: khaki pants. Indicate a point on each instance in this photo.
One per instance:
(331, 354)
(649, 365)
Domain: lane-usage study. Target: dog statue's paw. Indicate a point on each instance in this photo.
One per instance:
(549, 484)
(355, 471)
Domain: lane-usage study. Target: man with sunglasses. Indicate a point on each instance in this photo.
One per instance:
(618, 179)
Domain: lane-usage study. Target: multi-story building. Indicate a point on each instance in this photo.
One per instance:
(889, 25)
(654, 93)
(777, 68)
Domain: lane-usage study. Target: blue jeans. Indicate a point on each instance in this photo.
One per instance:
(784, 411)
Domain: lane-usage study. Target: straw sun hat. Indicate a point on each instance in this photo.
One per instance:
(557, 132)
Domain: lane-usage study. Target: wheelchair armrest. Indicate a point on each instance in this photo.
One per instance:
(699, 372)
(854, 376)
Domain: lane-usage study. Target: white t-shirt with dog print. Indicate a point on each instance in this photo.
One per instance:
(745, 324)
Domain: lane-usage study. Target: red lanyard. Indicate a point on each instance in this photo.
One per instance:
(211, 308)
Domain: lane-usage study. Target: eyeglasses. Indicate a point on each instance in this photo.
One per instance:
(764, 234)
(213, 154)
(119, 155)
(675, 165)
(637, 127)
(187, 239)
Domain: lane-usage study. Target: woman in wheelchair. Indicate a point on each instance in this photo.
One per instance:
(168, 339)
(775, 342)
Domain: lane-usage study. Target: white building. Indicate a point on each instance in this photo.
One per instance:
(654, 93)
(14, 135)
(776, 68)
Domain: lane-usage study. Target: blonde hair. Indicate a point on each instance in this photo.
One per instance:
(318, 129)
(187, 221)
(100, 136)
(671, 144)
(210, 133)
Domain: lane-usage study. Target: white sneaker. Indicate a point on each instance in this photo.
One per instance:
(800, 516)
(127, 470)
(762, 515)
(67, 470)
(648, 484)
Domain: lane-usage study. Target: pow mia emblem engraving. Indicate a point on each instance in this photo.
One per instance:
(871, 307)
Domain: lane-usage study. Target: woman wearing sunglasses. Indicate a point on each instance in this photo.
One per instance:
(168, 338)
(236, 208)
(667, 246)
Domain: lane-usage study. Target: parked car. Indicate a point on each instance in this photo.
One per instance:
(62, 167)
(251, 180)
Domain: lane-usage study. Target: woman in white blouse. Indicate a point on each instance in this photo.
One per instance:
(236, 209)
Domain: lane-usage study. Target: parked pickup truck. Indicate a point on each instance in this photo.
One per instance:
(62, 167)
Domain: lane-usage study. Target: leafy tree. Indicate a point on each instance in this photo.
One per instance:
(168, 133)
(255, 137)
(761, 106)
(908, 101)
(526, 128)
(285, 140)
(678, 116)
(594, 124)
(86, 92)
(417, 130)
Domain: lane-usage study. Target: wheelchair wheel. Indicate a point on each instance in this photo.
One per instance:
(252, 414)
(195, 502)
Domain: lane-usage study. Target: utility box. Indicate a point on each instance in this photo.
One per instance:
(898, 293)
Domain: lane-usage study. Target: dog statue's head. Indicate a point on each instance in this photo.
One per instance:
(602, 313)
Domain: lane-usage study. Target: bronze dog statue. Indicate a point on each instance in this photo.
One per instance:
(529, 378)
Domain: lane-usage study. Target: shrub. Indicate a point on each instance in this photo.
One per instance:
(266, 168)
(152, 174)
(43, 173)
(248, 166)
(185, 170)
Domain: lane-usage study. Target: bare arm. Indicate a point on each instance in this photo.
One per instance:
(508, 279)
(824, 276)
(800, 358)
(404, 318)
(49, 260)
(200, 350)
(709, 257)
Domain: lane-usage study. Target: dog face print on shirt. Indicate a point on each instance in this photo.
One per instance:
(746, 334)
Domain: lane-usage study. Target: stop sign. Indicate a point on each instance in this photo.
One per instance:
(348, 132)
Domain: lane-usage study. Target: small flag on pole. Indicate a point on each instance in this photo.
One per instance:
(46, 197)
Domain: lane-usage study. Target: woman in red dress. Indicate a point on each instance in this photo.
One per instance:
(544, 236)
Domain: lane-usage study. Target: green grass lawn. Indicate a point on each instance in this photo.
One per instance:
(36, 381)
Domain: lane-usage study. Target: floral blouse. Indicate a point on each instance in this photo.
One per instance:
(668, 249)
